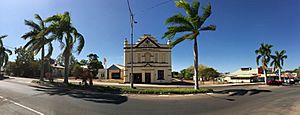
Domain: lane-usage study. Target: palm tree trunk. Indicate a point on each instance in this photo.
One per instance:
(1, 75)
(66, 74)
(196, 64)
(279, 74)
(265, 73)
(42, 64)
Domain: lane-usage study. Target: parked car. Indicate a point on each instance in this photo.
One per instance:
(297, 80)
(289, 81)
(275, 82)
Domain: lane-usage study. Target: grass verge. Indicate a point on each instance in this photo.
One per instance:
(125, 90)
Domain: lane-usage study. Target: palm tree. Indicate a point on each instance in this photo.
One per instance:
(62, 29)
(38, 40)
(4, 52)
(190, 25)
(264, 52)
(278, 61)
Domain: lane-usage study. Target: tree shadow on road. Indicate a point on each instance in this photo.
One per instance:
(222, 98)
(98, 97)
(241, 92)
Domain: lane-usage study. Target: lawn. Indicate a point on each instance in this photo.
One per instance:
(124, 90)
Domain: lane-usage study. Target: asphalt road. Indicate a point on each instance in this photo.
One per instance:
(18, 98)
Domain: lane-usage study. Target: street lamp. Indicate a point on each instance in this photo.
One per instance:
(131, 46)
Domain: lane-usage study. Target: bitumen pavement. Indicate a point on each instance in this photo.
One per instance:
(18, 98)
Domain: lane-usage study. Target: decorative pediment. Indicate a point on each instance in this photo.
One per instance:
(147, 42)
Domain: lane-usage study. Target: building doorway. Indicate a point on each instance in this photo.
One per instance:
(137, 77)
(147, 77)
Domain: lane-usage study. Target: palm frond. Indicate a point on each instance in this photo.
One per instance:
(206, 14)
(81, 43)
(257, 51)
(41, 22)
(30, 34)
(50, 50)
(186, 6)
(29, 43)
(32, 25)
(208, 28)
(268, 59)
(257, 59)
(195, 6)
(284, 57)
(8, 51)
(3, 36)
(282, 52)
(176, 29)
(53, 18)
(178, 19)
(182, 38)
(272, 63)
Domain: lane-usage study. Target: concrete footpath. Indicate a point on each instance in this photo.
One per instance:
(162, 85)
(28, 80)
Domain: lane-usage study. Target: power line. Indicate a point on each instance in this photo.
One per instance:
(157, 5)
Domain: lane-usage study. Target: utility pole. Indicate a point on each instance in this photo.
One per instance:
(131, 36)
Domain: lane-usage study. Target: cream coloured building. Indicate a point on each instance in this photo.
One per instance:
(151, 61)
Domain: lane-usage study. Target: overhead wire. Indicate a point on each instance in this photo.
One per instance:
(154, 6)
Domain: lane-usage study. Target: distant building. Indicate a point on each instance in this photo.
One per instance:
(102, 74)
(151, 61)
(252, 75)
(116, 71)
(244, 75)
(57, 69)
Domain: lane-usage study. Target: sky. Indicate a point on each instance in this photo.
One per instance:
(242, 25)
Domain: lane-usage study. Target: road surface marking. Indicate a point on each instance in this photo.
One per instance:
(28, 108)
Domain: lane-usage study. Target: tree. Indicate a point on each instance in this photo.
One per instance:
(209, 73)
(4, 55)
(10, 68)
(264, 53)
(25, 63)
(191, 26)
(62, 29)
(185, 74)
(83, 62)
(201, 67)
(278, 59)
(61, 60)
(38, 41)
(93, 65)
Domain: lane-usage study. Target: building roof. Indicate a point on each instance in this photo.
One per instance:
(245, 72)
(147, 41)
(57, 66)
(116, 67)
(147, 36)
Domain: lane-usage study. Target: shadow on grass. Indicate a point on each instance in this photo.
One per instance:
(87, 95)
(241, 92)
